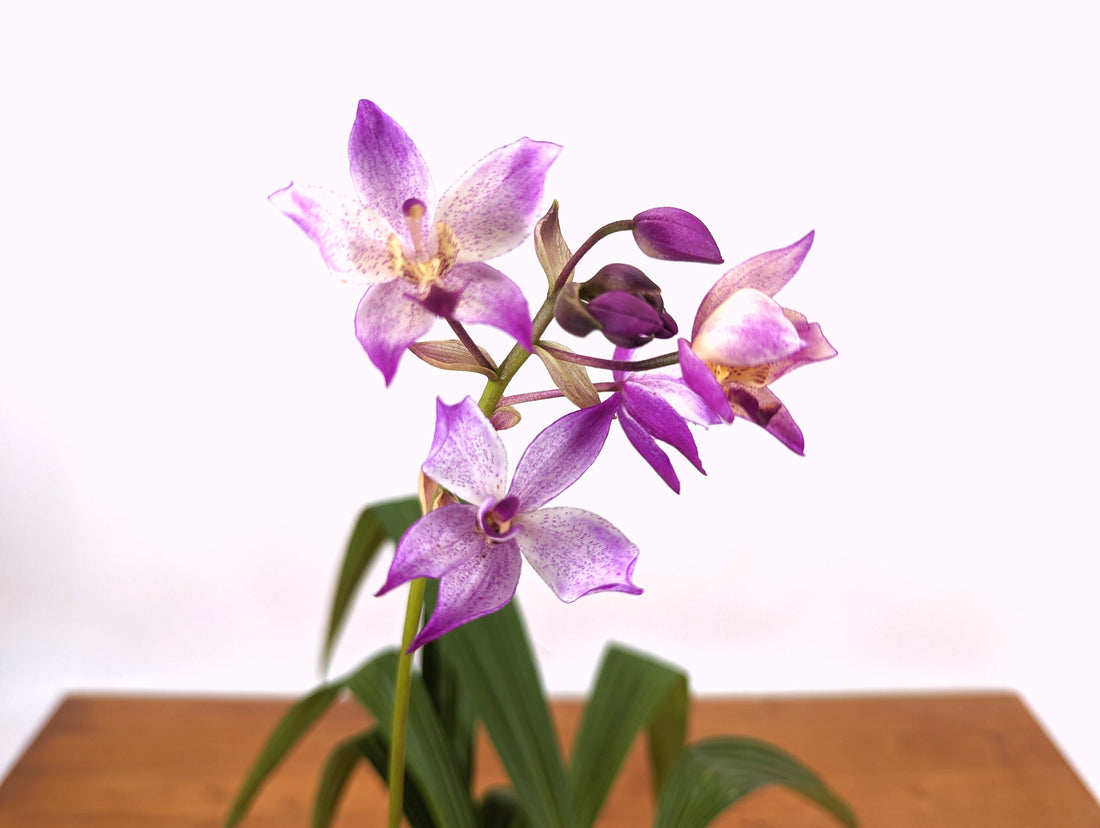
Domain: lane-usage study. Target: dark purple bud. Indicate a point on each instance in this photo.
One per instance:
(675, 235)
(624, 319)
(621, 302)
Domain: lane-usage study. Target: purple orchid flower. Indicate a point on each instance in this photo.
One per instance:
(423, 258)
(654, 406)
(474, 548)
(743, 341)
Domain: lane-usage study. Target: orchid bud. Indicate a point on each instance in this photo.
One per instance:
(675, 235)
(621, 302)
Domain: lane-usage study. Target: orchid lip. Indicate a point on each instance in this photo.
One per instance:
(494, 518)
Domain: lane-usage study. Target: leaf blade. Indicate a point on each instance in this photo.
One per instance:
(713, 774)
(631, 691)
(290, 728)
(376, 524)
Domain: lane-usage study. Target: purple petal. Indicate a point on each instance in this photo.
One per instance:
(625, 319)
(561, 453)
(352, 239)
(689, 405)
(701, 380)
(387, 321)
(767, 273)
(482, 584)
(387, 168)
(676, 235)
(647, 447)
(495, 204)
(815, 347)
(657, 416)
(761, 406)
(434, 545)
(577, 552)
(467, 455)
(748, 329)
(488, 297)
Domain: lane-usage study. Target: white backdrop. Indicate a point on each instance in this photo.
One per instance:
(188, 426)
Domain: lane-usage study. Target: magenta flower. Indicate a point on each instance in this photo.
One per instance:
(743, 341)
(423, 258)
(474, 548)
(654, 406)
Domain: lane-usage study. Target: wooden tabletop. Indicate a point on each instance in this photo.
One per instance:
(933, 761)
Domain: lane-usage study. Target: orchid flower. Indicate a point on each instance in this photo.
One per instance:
(742, 341)
(423, 258)
(654, 406)
(474, 548)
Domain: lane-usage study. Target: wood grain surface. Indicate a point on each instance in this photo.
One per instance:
(970, 760)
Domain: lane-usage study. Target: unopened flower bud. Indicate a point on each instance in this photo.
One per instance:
(675, 235)
(621, 302)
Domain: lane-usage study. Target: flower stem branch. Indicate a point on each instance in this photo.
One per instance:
(549, 394)
(590, 242)
(401, 702)
(662, 361)
(471, 346)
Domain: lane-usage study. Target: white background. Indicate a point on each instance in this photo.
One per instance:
(188, 426)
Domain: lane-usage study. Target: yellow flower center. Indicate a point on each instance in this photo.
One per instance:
(421, 269)
(754, 375)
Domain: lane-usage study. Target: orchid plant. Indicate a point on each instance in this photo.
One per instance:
(464, 660)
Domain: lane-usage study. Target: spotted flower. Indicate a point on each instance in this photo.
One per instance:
(475, 548)
(423, 258)
(743, 341)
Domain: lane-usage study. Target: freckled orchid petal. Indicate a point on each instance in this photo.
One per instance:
(748, 329)
(387, 321)
(488, 297)
(434, 545)
(761, 406)
(647, 447)
(700, 379)
(387, 168)
(495, 204)
(561, 453)
(352, 239)
(660, 420)
(577, 552)
(767, 272)
(467, 455)
(482, 584)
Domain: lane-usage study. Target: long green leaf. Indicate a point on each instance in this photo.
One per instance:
(377, 524)
(631, 691)
(429, 761)
(295, 722)
(451, 699)
(376, 748)
(711, 775)
(334, 778)
(496, 666)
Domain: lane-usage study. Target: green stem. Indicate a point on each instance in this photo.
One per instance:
(401, 702)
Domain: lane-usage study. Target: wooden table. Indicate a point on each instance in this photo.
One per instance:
(902, 760)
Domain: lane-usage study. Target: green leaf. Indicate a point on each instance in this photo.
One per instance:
(452, 355)
(451, 700)
(631, 691)
(550, 247)
(334, 778)
(500, 808)
(376, 748)
(711, 775)
(295, 722)
(494, 662)
(429, 762)
(570, 378)
(377, 524)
